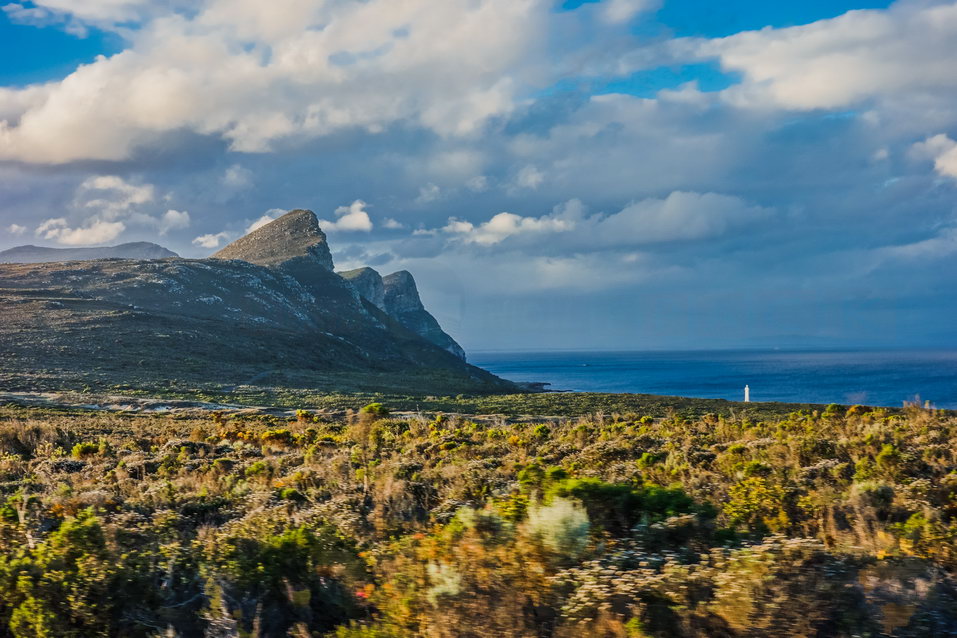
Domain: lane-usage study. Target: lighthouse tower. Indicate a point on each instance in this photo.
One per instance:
(747, 394)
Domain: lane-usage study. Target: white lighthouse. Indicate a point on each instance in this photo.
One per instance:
(747, 394)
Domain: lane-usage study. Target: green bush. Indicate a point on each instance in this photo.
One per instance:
(69, 585)
(376, 410)
(616, 507)
(276, 581)
(84, 450)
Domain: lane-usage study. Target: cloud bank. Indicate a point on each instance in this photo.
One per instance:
(527, 162)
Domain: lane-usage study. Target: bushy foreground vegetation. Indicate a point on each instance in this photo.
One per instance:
(830, 523)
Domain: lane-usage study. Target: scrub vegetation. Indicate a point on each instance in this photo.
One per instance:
(369, 524)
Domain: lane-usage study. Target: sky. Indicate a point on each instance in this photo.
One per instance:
(619, 174)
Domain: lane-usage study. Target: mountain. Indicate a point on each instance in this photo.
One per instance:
(267, 310)
(39, 254)
(295, 236)
(398, 296)
(369, 284)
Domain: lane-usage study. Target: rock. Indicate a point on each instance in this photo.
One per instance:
(403, 303)
(369, 284)
(398, 296)
(39, 254)
(294, 237)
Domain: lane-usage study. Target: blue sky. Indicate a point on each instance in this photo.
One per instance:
(613, 174)
(718, 19)
(33, 54)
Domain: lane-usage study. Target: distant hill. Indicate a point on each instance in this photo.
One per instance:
(41, 254)
(267, 310)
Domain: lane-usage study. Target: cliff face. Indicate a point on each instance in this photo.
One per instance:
(268, 309)
(40, 254)
(369, 284)
(295, 238)
(402, 301)
(398, 296)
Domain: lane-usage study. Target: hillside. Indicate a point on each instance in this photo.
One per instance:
(273, 314)
(41, 254)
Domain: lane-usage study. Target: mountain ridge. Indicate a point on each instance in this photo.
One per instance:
(30, 254)
(289, 320)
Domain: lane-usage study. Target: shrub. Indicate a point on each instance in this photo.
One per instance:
(291, 494)
(282, 438)
(275, 581)
(376, 410)
(259, 468)
(562, 526)
(67, 586)
(84, 450)
(758, 505)
(616, 507)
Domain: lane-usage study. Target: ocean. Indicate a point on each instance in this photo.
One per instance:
(880, 378)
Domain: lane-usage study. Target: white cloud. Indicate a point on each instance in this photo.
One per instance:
(942, 244)
(682, 216)
(428, 193)
(893, 54)
(105, 203)
(529, 177)
(478, 184)
(212, 240)
(99, 11)
(505, 225)
(94, 232)
(16, 229)
(23, 14)
(257, 77)
(392, 224)
(350, 218)
(624, 10)
(111, 196)
(173, 220)
(38, 16)
(237, 177)
(457, 226)
(943, 151)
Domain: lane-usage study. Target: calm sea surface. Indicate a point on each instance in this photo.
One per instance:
(874, 378)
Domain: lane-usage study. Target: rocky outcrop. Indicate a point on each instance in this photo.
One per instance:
(369, 285)
(402, 302)
(398, 297)
(295, 237)
(39, 254)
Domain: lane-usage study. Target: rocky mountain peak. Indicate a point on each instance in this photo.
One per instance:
(401, 293)
(294, 236)
(398, 296)
(402, 301)
(369, 284)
